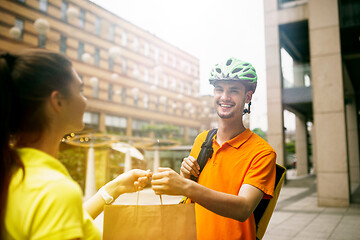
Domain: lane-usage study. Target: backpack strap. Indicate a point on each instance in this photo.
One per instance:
(206, 151)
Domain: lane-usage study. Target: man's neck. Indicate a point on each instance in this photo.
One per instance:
(228, 129)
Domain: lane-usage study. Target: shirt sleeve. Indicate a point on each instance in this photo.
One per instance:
(262, 173)
(59, 212)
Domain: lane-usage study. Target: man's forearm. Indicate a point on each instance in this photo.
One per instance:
(226, 205)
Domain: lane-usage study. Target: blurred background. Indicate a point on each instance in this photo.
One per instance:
(145, 66)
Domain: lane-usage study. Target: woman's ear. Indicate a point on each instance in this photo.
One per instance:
(56, 101)
(248, 96)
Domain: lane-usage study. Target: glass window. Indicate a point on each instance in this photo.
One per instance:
(22, 1)
(64, 7)
(136, 71)
(146, 100)
(157, 103)
(124, 38)
(166, 57)
(63, 45)
(112, 32)
(123, 95)
(41, 40)
(97, 25)
(82, 18)
(146, 75)
(43, 4)
(166, 82)
(146, 49)
(136, 44)
(156, 57)
(124, 66)
(114, 121)
(91, 118)
(80, 50)
(19, 23)
(111, 64)
(96, 89)
(110, 92)
(97, 57)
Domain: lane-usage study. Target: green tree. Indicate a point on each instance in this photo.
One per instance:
(260, 132)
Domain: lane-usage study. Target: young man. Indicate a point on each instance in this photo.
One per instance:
(241, 170)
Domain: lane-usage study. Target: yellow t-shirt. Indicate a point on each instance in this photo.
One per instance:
(245, 159)
(47, 203)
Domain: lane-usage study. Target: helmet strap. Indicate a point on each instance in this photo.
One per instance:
(247, 110)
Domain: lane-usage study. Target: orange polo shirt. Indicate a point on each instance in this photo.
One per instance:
(245, 159)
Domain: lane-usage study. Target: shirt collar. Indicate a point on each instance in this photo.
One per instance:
(240, 139)
(32, 157)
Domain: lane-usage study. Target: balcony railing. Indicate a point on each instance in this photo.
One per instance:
(290, 3)
(296, 76)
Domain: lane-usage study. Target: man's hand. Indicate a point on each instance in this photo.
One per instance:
(169, 182)
(189, 167)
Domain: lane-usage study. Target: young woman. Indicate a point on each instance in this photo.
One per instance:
(41, 100)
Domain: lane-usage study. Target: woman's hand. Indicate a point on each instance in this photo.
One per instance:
(130, 181)
(169, 182)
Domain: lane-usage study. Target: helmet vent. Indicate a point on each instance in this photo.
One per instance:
(228, 62)
(245, 64)
(249, 75)
(218, 70)
(236, 70)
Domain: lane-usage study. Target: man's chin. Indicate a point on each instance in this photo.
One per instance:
(225, 116)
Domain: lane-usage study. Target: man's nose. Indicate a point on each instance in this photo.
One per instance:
(225, 95)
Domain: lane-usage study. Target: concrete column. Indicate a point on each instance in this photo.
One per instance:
(102, 126)
(129, 127)
(301, 145)
(275, 132)
(353, 144)
(328, 104)
(90, 181)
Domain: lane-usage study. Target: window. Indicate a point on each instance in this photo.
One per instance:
(41, 40)
(166, 82)
(111, 64)
(112, 32)
(166, 57)
(91, 119)
(123, 95)
(124, 67)
(110, 92)
(43, 4)
(97, 57)
(22, 1)
(80, 50)
(124, 38)
(146, 49)
(146, 75)
(19, 23)
(63, 45)
(114, 123)
(156, 57)
(136, 44)
(136, 71)
(82, 18)
(146, 100)
(157, 103)
(64, 7)
(97, 25)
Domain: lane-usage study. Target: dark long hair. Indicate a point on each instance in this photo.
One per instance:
(26, 81)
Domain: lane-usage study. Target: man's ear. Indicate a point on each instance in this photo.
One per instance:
(56, 101)
(248, 96)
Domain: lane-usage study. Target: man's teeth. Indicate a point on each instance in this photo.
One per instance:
(225, 105)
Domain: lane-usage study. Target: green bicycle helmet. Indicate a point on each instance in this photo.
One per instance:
(234, 70)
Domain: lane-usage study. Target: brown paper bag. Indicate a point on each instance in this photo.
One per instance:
(147, 222)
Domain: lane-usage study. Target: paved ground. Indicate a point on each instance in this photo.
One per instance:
(296, 215)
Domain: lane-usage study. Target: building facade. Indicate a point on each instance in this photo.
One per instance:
(132, 78)
(312, 64)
